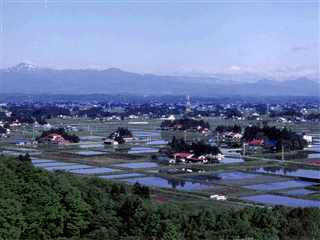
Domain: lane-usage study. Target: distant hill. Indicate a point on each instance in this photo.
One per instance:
(28, 78)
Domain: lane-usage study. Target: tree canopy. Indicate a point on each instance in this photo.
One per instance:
(38, 204)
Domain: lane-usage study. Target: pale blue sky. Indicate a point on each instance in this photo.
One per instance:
(188, 38)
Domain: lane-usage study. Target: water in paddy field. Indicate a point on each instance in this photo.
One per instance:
(68, 167)
(169, 183)
(300, 191)
(142, 150)
(89, 137)
(53, 164)
(90, 153)
(231, 160)
(232, 153)
(315, 155)
(224, 176)
(145, 134)
(91, 146)
(290, 171)
(13, 153)
(158, 142)
(314, 147)
(279, 185)
(41, 160)
(26, 149)
(291, 156)
(93, 170)
(122, 175)
(287, 201)
(138, 165)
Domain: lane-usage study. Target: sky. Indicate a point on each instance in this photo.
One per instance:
(245, 40)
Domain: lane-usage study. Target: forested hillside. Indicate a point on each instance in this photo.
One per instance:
(38, 204)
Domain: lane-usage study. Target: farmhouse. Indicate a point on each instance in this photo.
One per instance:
(233, 135)
(110, 141)
(15, 123)
(129, 139)
(54, 137)
(177, 126)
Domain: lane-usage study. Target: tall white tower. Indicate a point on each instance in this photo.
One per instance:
(188, 106)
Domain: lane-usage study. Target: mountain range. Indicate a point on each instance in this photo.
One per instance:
(28, 78)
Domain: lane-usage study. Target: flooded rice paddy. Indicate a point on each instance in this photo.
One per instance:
(90, 137)
(41, 160)
(123, 175)
(231, 160)
(287, 201)
(280, 185)
(93, 170)
(224, 176)
(68, 167)
(53, 164)
(138, 165)
(290, 171)
(91, 145)
(300, 191)
(315, 155)
(169, 183)
(158, 142)
(12, 153)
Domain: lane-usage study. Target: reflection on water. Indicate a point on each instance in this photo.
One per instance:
(291, 157)
(287, 201)
(169, 183)
(290, 171)
(224, 176)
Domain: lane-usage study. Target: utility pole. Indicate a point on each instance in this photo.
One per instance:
(185, 137)
(282, 153)
(244, 149)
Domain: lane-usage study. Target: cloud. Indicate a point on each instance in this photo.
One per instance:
(301, 47)
(311, 72)
(235, 67)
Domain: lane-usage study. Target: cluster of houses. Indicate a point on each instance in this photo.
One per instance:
(111, 140)
(187, 158)
(177, 127)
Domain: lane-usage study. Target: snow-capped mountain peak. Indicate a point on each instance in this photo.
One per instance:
(25, 67)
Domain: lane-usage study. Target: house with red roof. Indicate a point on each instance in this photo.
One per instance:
(255, 142)
(54, 137)
(15, 123)
(177, 126)
(182, 155)
(233, 135)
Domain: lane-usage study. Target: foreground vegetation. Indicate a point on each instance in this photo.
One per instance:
(38, 204)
